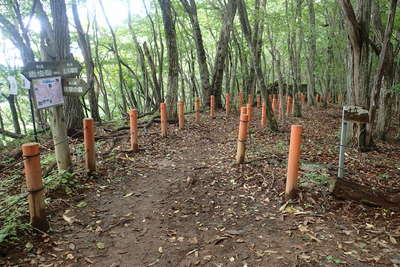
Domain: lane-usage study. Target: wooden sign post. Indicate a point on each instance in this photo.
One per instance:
(354, 114)
(52, 69)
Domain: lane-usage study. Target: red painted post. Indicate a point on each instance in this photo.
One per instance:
(88, 137)
(212, 107)
(241, 143)
(293, 161)
(227, 103)
(181, 114)
(34, 184)
(164, 120)
(133, 130)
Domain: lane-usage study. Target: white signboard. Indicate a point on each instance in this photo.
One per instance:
(27, 83)
(48, 92)
(13, 85)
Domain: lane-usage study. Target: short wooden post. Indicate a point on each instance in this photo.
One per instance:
(249, 114)
(197, 109)
(240, 101)
(227, 103)
(181, 114)
(303, 99)
(163, 116)
(88, 138)
(293, 161)
(263, 115)
(241, 143)
(212, 107)
(250, 99)
(274, 104)
(133, 130)
(289, 106)
(34, 184)
(258, 101)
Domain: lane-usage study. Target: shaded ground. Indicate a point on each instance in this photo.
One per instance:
(182, 201)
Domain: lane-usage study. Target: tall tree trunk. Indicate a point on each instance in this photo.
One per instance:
(380, 71)
(222, 51)
(312, 52)
(84, 45)
(173, 64)
(14, 113)
(124, 107)
(358, 31)
(191, 9)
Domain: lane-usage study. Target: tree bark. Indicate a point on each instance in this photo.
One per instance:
(222, 51)
(173, 64)
(84, 45)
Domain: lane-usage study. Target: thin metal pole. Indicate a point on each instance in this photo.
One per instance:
(342, 146)
(33, 114)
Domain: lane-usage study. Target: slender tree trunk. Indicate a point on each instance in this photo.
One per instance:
(222, 51)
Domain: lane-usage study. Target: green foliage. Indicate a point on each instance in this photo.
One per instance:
(318, 178)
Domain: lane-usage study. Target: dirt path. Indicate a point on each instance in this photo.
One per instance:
(182, 201)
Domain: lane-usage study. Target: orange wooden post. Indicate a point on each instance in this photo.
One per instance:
(249, 114)
(197, 109)
(303, 98)
(212, 107)
(228, 103)
(88, 138)
(263, 115)
(181, 114)
(133, 130)
(293, 161)
(274, 103)
(163, 115)
(289, 105)
(34, 184)
(241, 143)
(250, 99)
(240, 101)
(258, 101)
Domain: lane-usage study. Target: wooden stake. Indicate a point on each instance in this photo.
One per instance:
(240, 101)
(212, 107)
(263, 115)
(181, 114)
(133, 130)
(250, 99)
(60, 138)
(163, 115)
(274, 104)
(249, 114)
(88, 138)
(293, 161)
(228, 103)
(258, 101)
(241, 143)
(197, 109)
(34, 184)
(289, 106)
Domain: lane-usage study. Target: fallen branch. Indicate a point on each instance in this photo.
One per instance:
(348, 190)
(11, 134)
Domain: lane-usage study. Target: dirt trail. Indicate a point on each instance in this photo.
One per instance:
(181, 201)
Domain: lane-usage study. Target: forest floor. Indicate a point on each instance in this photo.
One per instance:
(182, 201)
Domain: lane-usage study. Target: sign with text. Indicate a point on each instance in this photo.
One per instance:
(74, 86)
(43, 69)
(48, 92)
(356, 114)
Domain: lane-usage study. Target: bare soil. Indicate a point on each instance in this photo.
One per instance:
(182, 201)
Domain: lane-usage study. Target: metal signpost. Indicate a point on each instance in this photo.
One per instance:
(354, 114)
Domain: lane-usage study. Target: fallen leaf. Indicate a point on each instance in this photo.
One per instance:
(100, 245)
